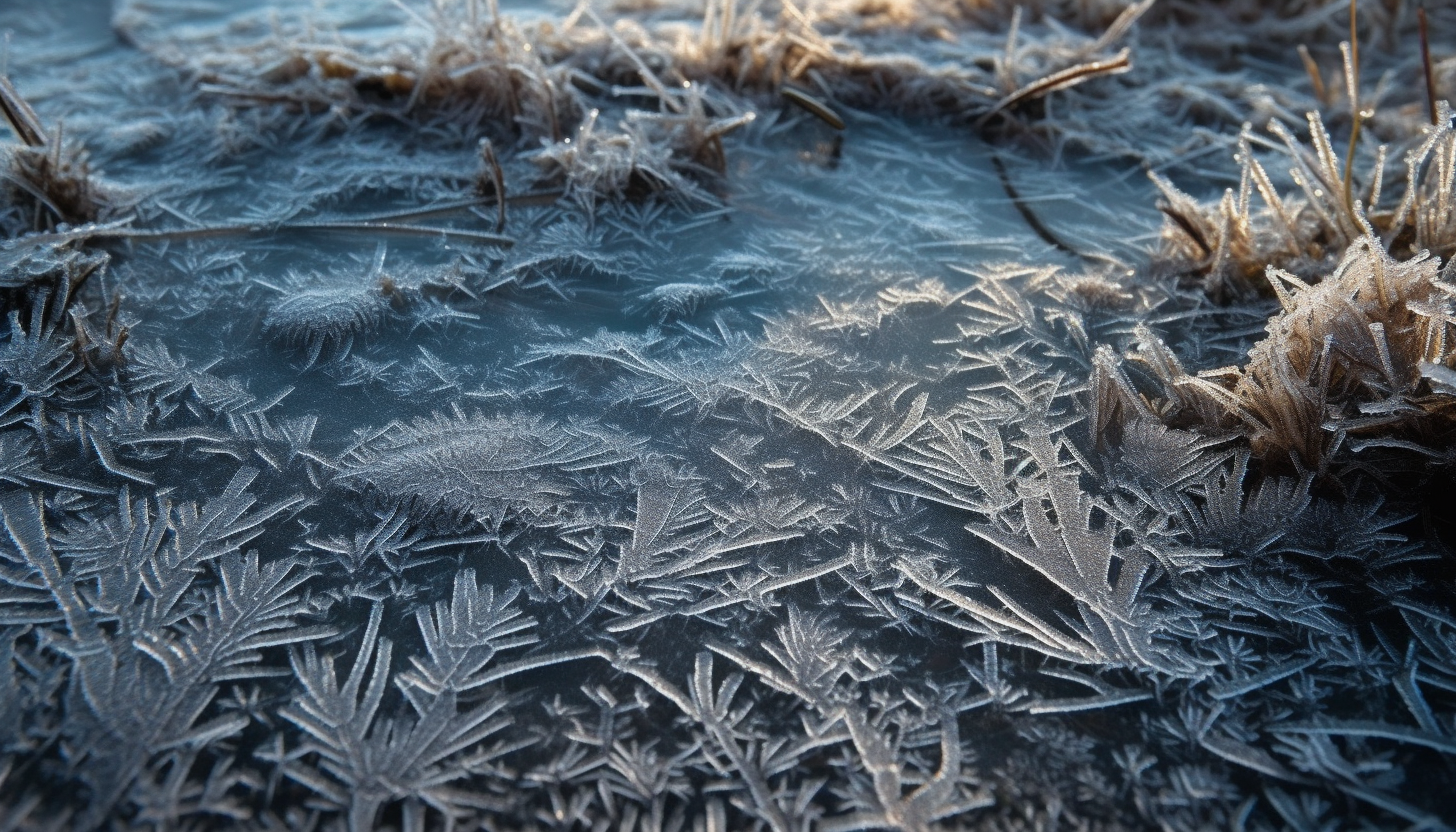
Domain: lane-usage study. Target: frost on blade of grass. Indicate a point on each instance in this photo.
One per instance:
(1360, 357)
(1229, 245)
(1330, 203)
(45, 179)
(649, 154)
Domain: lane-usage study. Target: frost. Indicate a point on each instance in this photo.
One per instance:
(325, 319)
(682, 300)
(478, 465)
(702, 416)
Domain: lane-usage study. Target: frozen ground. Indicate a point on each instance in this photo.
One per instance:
(745, 472)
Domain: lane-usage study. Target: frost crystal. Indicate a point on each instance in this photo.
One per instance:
(727, 415)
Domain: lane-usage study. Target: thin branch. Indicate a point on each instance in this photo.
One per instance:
(1069, 77)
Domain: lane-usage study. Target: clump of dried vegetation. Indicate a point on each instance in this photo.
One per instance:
(1358, 356)
(1228, 244)
(47, 180)
(1330, 200)
(639, 104)
(472, 61)
(645, 154)
(1364, 355)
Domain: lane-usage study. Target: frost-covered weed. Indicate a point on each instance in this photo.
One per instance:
(1360, 358)
(47, 179)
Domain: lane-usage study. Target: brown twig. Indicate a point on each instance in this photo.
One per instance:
(1188, 227)
(18, 114)
(398, 228)
(1426, 64)
(1027, 214)
(1060, 80)
(815, 106)
(498, 179)
(543, 197)
(239, 229)
(1316, 80)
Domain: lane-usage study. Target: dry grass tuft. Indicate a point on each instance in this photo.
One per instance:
(1227, 245)
(646, 154)
(45, 180)
(1363, 356)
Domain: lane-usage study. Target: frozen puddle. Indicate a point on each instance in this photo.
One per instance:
(765, 492)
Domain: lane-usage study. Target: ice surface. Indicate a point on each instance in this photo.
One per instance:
(744, 473)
